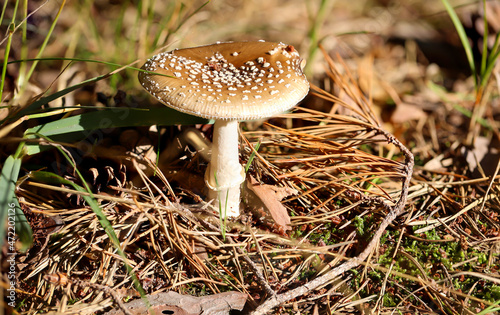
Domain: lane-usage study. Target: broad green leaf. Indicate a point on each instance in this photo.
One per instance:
(9, 205)
(23, 228)
(81, 126)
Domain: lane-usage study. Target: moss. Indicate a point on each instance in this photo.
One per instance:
(359, 223)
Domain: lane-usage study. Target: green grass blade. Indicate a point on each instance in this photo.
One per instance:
(23, 228)
(491, 61)
(46, 41)
(485, 41)
(314, 31)
(54, 179)
(24, 41)
(252, 156)
(51, 178)
(107, 63)
(77, 127)
(469, 114)
(9, 175)
(44, 100)
(222, 221)
(489, 68)
(14, 12)
(489, 58)
(3, 11)
(6, 58)
(163, 23)
(495, 49)
(492, 309)
(185, 19)
(463, 38)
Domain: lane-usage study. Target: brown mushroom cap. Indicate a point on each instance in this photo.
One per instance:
(234, 80)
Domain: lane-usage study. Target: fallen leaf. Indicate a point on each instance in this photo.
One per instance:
(269, 197)
(439, 163)
(175, 303)
(487, 153)
(405, 112)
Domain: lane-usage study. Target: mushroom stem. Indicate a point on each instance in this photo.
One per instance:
(224, 173)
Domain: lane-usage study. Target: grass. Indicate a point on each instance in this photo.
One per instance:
(481, 76)
(110, 217)
(222, 209)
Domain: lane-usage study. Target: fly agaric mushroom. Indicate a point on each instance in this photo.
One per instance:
(227, 82)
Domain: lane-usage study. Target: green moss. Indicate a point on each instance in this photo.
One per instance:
(492, 293)
(389, 300)
(359, 223)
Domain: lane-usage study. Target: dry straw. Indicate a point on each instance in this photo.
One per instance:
(175, 246)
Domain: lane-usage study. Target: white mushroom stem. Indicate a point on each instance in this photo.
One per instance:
(224, 173)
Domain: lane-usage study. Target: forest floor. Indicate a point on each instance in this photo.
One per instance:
(338, 216)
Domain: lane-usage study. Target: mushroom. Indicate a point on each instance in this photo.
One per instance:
(227, 82)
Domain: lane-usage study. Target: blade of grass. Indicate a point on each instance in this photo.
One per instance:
(463, 38)
(315, 28)
(5, 130)
(3, 11)
(25, 19)
(485, 39)
(51, 178)
(44, 100)
(488, 58)
(490, 64)
(491, 309)
(81, 60)
(45, 42)
(495, 50)
(186, 18)
(6, 58)
(23, 228)
(469, 114)
(90, 200)
(252, 156)
(222, 215)
(163, 24)
(24, 41)
(116, 117)
(9, 175)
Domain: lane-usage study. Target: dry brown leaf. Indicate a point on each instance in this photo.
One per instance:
(439, 163)
(405, 112)
(487, 153)
(175, 303)
(269, 197)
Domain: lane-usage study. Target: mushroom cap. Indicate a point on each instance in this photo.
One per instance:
(233, 80)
